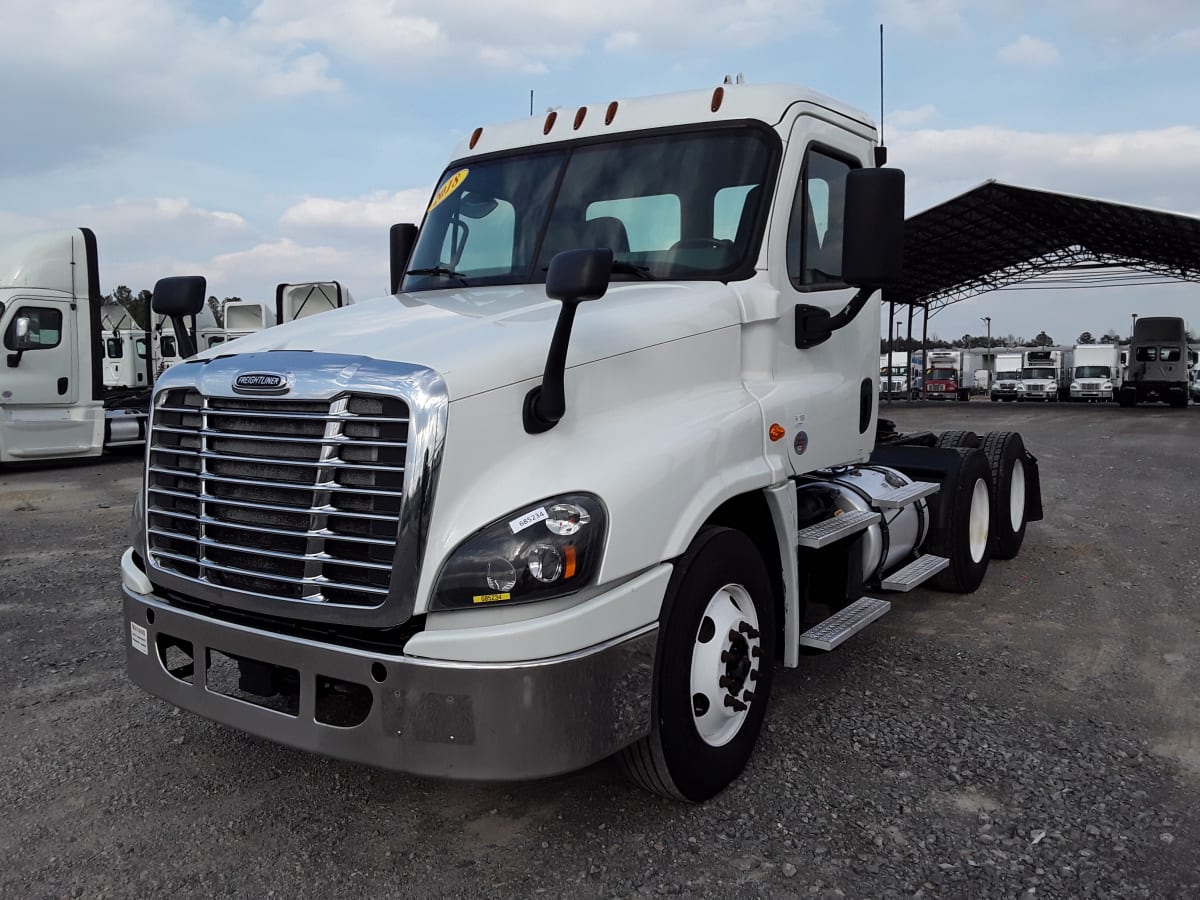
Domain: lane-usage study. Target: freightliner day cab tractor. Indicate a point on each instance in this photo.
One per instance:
(53, 400)
(607, 457)
(1158, 363)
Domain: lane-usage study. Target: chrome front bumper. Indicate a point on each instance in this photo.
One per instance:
(493, 721)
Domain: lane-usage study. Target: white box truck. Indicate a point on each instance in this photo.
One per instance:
(950, 374)
(1043, 375)
(608, 456)
(1096, 373)
(1158, 363)
(1008, 376)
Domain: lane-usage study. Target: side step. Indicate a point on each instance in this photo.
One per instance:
(903, 496)
(844, 624)
(916, 572)
(825, 533)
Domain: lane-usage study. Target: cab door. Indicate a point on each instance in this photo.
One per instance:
(40, 414)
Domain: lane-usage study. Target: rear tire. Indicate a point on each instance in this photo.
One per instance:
(1005, 451)
(951, 439)
(966, 535)
(716, 652)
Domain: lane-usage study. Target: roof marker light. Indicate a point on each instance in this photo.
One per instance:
(611, 114)
(550, 119)
(579, 116)
(718, 96)
(475, 136)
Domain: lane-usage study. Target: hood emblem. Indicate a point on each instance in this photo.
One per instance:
(261, 383)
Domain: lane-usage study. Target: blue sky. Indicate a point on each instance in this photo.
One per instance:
(275, 140)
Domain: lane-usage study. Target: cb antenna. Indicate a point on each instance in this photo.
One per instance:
(881, 150)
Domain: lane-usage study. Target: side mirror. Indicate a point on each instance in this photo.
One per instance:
(401, 240)
(180, 297)
(21, 341)
(21, 334)
(574, 277)
(873, 240)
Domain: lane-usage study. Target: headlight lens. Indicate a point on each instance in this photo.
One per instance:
(1020, 387)
(1074, 385)
(547, 550)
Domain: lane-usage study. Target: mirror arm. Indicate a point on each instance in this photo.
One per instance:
(184, 336)
(14, 359)
(546, 404)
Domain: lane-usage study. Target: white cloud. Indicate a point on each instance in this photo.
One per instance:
(622, 41)
(910, 118)
(929, 18)
(372, 213)
(1030, 52)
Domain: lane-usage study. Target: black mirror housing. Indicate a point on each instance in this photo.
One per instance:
(401, 239)
(179, 295)
(578, 275)
(873, 243)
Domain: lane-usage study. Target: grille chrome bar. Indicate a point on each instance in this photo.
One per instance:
(269, 507)
(317, 582)
(275, 554)
(341, 440)
(280, 532)
(311, 463)
(259, 414)
(332, 486)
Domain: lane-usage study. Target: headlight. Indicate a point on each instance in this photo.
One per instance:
(1107, 386)
(1020, 387)
(547, 550)
(1074, 385)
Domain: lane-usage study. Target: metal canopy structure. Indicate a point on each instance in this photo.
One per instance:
(998, 235)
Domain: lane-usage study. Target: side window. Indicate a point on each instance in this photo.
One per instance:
(168, 346)
(114, 348)
(1146, 354)
(1168, 354)
(814, 241)
(140, 348)
(45, 328)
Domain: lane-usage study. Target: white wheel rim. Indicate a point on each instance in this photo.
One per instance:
(979, 520)
(724, 665)
(1016, 495)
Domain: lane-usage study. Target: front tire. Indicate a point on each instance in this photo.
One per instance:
(965, 537)
(716, 656)
(1005, 451)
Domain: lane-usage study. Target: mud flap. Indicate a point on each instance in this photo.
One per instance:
(1033, 489)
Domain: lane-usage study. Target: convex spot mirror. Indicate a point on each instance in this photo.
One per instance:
(21, 339)
(873, 241)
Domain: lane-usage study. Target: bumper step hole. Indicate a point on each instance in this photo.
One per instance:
(342, 704)
(253, 681)
(176, 656)
(379, 672)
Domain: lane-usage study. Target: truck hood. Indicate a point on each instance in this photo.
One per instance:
(483, 338)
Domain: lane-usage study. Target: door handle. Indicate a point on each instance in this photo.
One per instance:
(63, 383)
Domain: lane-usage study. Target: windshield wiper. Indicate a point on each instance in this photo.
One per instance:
(440, 272)
(624, 267)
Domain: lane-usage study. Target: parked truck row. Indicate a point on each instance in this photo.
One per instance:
(607, 457)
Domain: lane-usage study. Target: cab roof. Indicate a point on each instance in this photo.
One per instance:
(766, 103)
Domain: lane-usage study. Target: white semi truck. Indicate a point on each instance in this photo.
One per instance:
(54, 403)
(898, 382)
(1008, 376)
(1158, 363)
(1096, 373)
(607, 457)
(1044, 375)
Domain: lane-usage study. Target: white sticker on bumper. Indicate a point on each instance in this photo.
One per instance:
(138, 637)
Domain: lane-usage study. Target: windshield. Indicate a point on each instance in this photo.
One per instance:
(1009, 375)
(1092, 372)
(897, 371)
(1038, 373)
(676, 206)
(943, 375)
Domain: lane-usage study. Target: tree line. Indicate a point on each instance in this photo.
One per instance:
(981, 341)
(138, 305)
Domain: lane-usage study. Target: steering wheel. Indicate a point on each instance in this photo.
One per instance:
(701, 243)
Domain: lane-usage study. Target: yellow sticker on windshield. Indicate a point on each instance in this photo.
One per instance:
(452, 184)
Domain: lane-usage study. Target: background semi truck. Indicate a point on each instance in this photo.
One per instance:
(608, 456)
(1096, 372)
(899, 381)
(1158, 363)
(54, 403)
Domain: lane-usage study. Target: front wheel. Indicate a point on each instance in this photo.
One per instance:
(716, 654)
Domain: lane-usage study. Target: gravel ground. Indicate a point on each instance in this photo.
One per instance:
(1039, 738)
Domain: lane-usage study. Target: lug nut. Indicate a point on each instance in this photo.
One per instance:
(735, 704)
(754, 674)
(726, 656)
(754, 651)
(725, 681)
(748, 630)
(748, 696)
(733, 635)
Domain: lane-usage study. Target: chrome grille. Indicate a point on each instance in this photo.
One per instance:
(288, 499)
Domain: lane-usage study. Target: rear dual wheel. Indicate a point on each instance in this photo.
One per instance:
(716, 654)
(965, 530)
(1005, 452)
